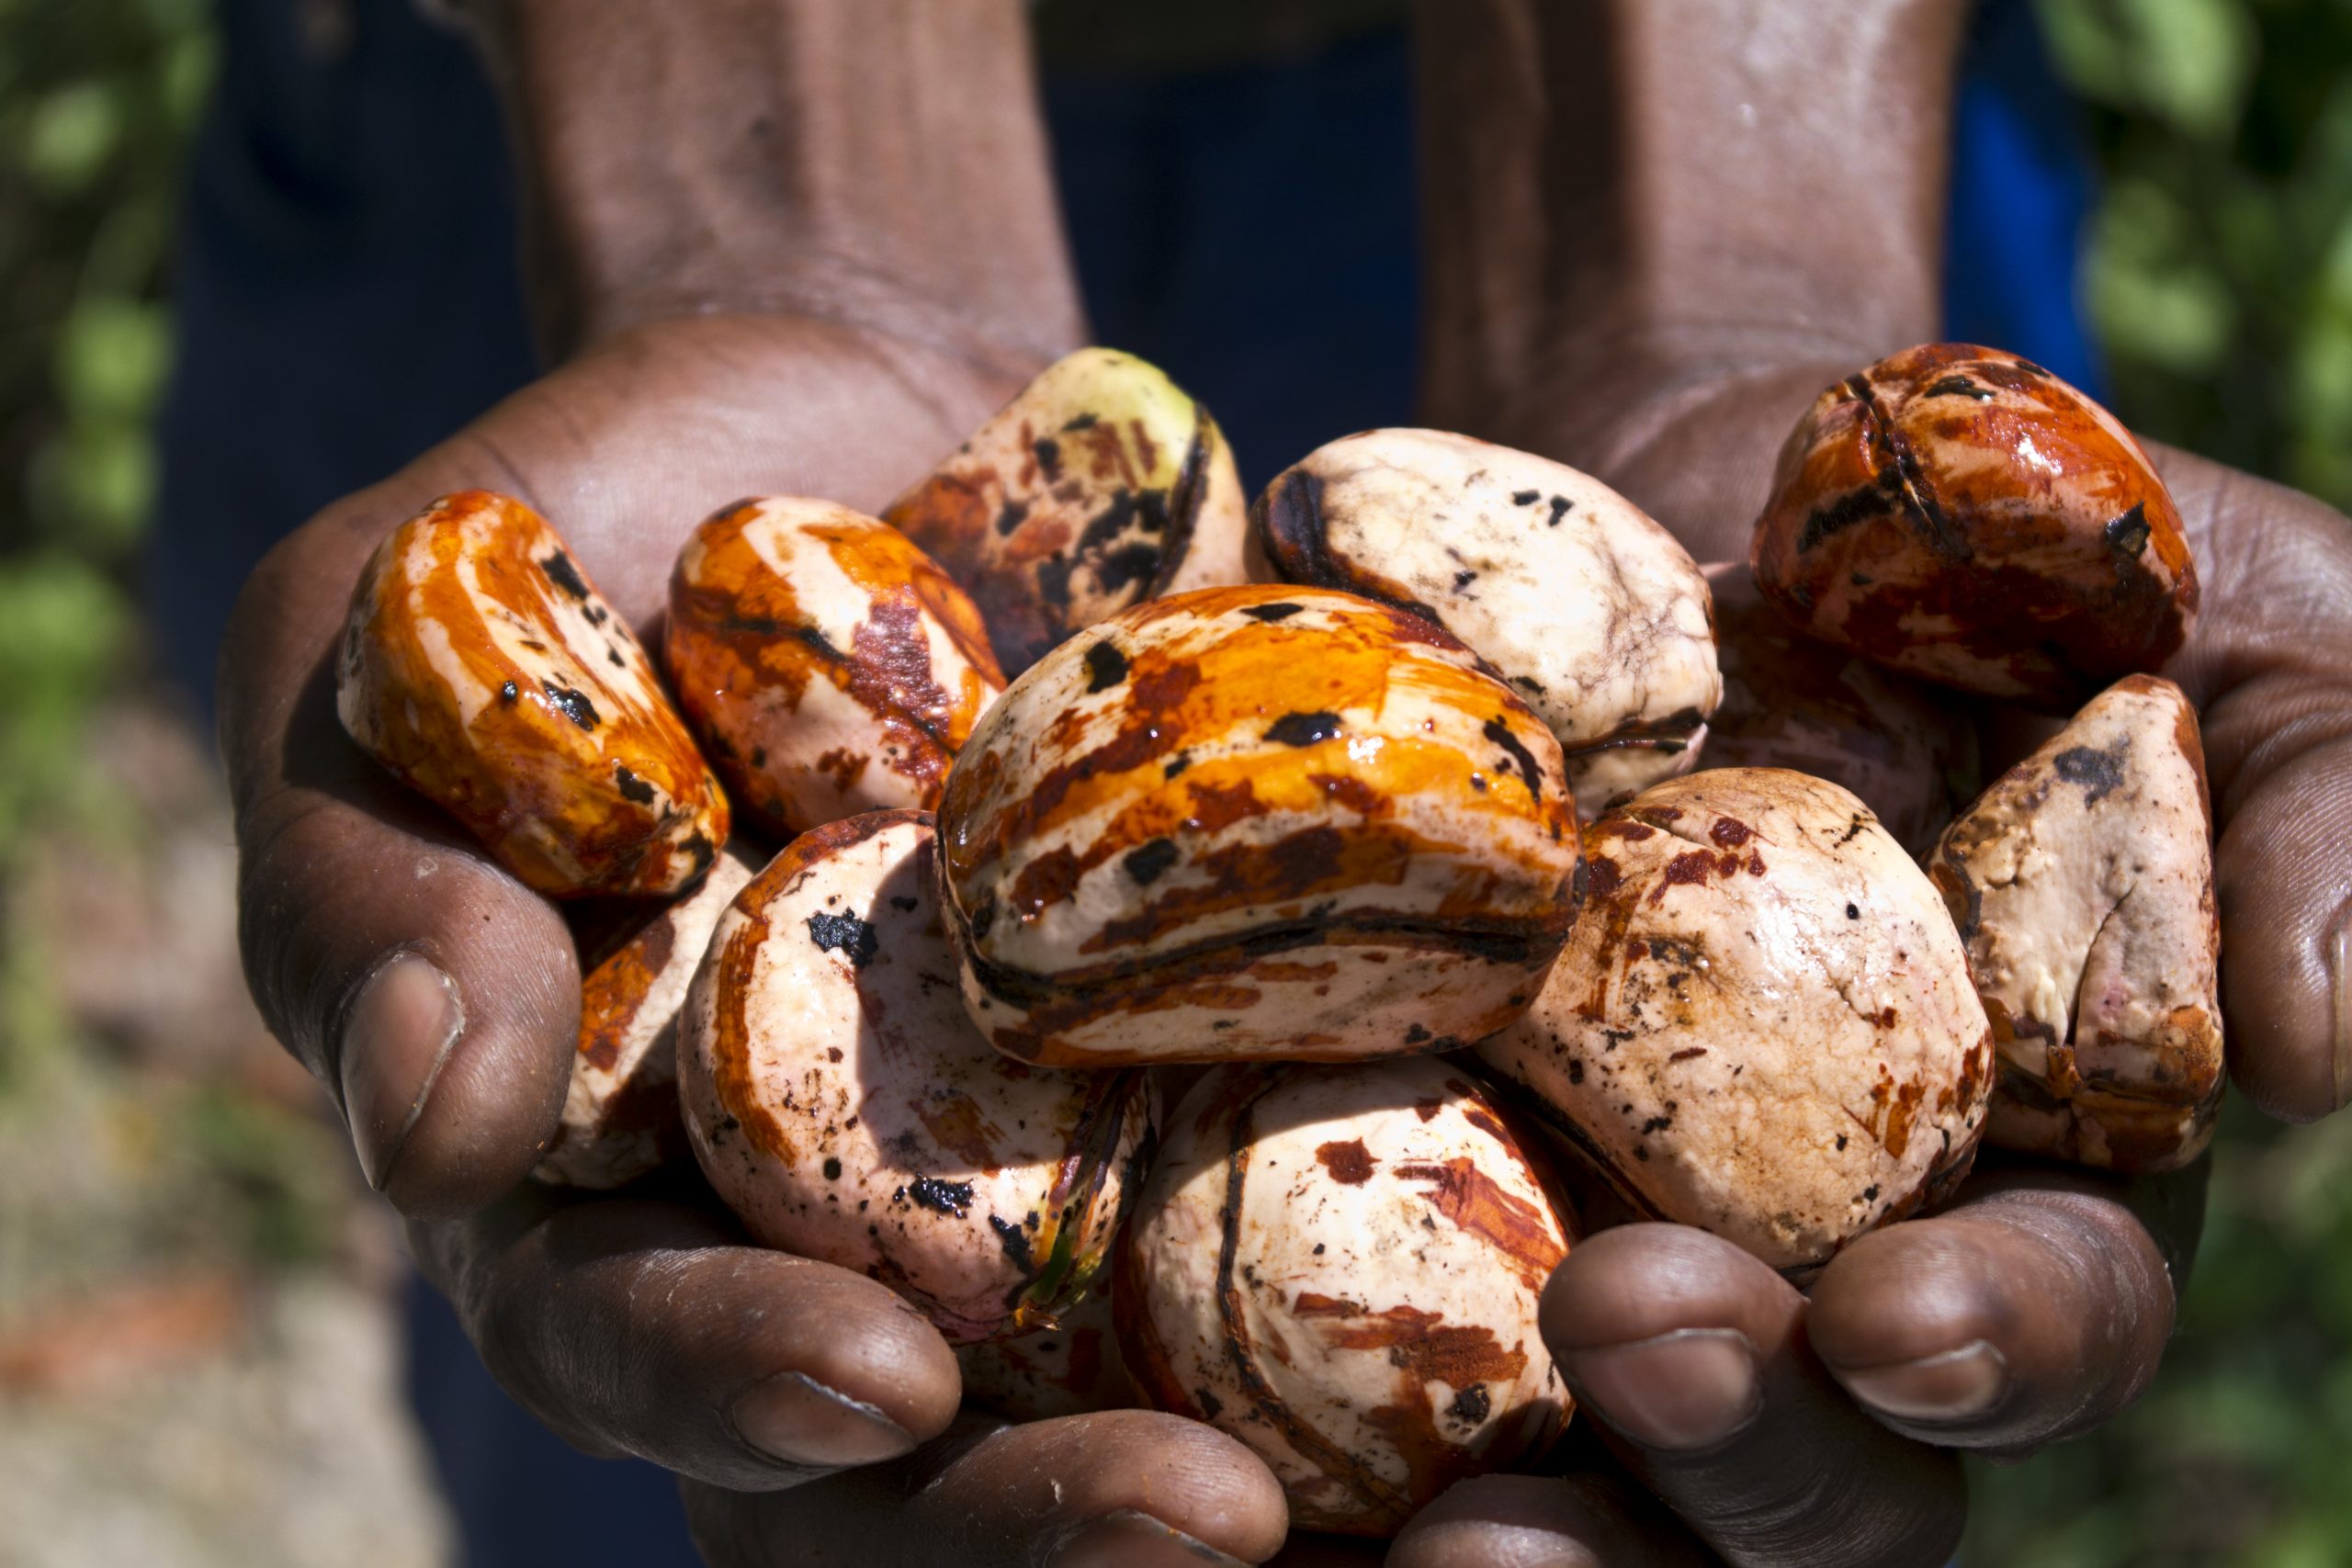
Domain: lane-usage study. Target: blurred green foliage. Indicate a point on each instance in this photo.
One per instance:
(98, 99)
(96, 102)
(2219, 281)
(2220, 268)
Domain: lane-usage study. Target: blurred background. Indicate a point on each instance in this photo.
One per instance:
(199, 1360)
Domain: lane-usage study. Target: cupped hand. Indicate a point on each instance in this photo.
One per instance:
(1782, 1426)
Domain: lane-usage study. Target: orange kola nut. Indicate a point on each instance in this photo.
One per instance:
(841, 1103)
(1962, 515)
(831, 667)
(620, 1114)
(1341, 1267)
(1256, 822)
(481, 665)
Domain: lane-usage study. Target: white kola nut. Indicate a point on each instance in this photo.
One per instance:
(1592, 612)
(1340, 1266)
(2083, 884)
(841, 1103)
(1763, 1023)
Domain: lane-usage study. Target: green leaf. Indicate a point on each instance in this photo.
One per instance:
(69, 136)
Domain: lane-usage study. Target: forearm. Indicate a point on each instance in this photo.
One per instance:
(879, 163)
(1641, 211)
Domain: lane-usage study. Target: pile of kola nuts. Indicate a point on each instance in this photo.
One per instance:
(1488, 850)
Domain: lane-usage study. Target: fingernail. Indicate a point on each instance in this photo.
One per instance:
(2339, 985)
(397, 1037)
(800, 1421)
(1690, 1389)
(1954, 1386)
(1130, 1538)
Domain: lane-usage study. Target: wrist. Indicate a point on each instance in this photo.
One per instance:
(1640, 212)
(879, 164)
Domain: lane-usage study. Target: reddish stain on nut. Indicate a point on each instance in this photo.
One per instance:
(1962, 515)
(832, 667)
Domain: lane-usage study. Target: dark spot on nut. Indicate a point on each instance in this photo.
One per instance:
(510, 693)
(846, 934)
(954, 1198)
(1471, 1405)
(1525, 497)
(2100, 773)
(1012, 516)
(1852, 913)
(1279, 611)
(1561, 507)
(1015, 1242)
(832, 1168)
(1106, 666)
(1147, 862)
(565, 575)
(1960, 386)
(573, 705)
(632, 788)
(1303, 728)
(2127, 535)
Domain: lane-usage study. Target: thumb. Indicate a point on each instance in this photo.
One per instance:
(434, 996)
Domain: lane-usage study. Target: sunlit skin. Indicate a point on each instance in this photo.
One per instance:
(1654, 236)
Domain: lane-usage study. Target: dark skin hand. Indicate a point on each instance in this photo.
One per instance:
(1656, 234)
(803, 246)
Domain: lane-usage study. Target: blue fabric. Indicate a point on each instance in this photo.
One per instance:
(2022, 189)
(348, 294)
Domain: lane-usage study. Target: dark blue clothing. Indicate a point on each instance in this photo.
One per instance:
(346, 296)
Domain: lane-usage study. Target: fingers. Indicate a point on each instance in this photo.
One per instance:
(2268, 668)
(1122, 1489)
(2279, 873)
(644, 1327)
(1692, 1357)
(2028, 1314)
(1599, 1520)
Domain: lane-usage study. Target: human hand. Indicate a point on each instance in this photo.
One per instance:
(753, 284)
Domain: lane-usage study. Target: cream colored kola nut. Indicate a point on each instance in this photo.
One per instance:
(2083, 884)
(483, 667)
(1255, 822)
(842, 1105)
(1072, 1369)
(1790, 702)
(1763, 1023)
(621, 1116)
(1592, 611)
(1100, 485)
(1340, 1266)
(830, 666)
